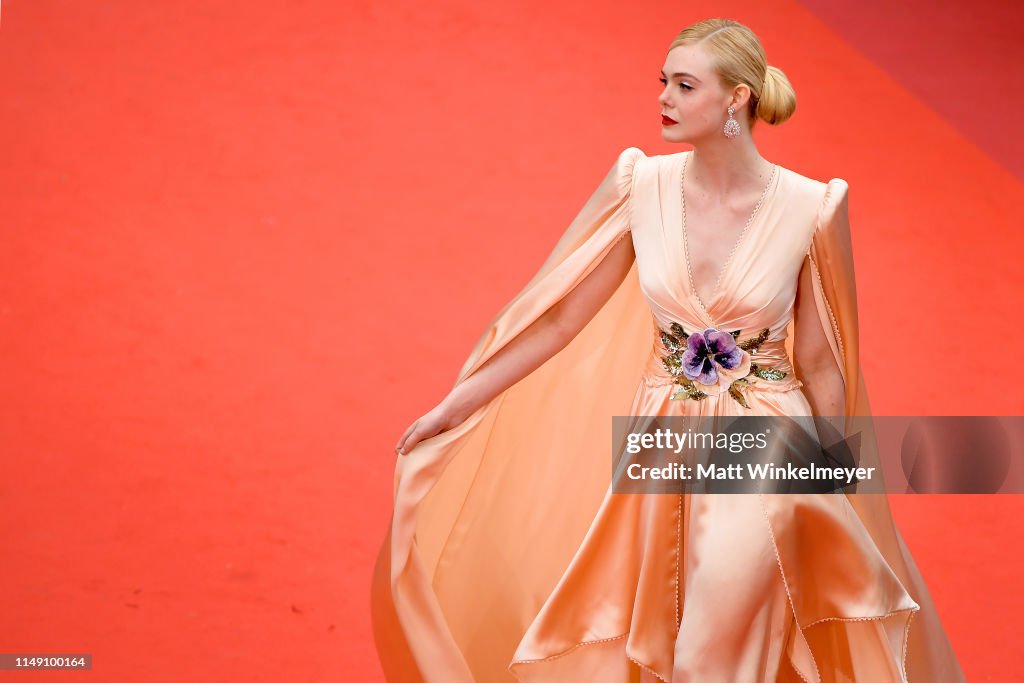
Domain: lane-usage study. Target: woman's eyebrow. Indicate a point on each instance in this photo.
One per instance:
(682, 73)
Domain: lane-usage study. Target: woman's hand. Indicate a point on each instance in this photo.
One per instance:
(442, 418)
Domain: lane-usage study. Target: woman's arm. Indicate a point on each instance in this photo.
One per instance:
(548, 335)
(813, 359)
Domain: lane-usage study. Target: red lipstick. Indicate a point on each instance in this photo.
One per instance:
(666, 121)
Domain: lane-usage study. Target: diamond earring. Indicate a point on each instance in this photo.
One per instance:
(732, 126)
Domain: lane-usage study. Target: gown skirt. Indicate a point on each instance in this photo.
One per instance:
(508, 556)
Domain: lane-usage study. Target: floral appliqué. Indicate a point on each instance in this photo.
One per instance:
(712, 362)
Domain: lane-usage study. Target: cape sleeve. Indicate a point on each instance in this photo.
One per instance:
(830, 258)
(835, 290)
(880, 583)
(488, 515)
(603, 220)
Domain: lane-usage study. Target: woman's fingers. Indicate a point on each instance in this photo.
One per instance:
(403, 447)
(427, 427)
(418, 435)
(414, 439)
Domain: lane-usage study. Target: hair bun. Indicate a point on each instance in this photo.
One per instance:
(739, 59)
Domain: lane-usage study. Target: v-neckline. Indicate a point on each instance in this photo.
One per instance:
(716, 294)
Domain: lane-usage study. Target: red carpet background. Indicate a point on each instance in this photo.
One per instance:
(245, 245)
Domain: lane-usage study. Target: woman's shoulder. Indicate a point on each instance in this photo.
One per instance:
(629, 158)
(800, 189)
(811, 190)
(637, 162)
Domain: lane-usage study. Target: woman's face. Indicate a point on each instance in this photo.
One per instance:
(693, 97)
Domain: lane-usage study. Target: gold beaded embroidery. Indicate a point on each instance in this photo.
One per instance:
(674, 340)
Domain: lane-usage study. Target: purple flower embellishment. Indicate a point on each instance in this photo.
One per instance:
(712, 362)
(711, 354)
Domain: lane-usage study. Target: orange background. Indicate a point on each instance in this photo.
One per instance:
(245, 245)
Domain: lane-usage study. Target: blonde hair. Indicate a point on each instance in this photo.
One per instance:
(739, 59)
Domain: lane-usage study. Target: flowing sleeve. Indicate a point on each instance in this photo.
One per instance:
(835, 290)
(602, 221)
(488, 515)
(880, 582)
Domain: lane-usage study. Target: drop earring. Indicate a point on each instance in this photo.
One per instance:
(732, 126)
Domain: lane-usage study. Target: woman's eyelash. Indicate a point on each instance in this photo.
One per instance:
(682, 85)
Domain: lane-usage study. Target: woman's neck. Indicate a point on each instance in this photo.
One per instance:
(723, 168)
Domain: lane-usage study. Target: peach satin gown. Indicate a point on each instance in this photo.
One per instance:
(508, 557)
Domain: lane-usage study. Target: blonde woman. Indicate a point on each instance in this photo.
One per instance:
(708, 282)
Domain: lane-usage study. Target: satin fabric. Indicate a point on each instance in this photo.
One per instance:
(509, 558)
